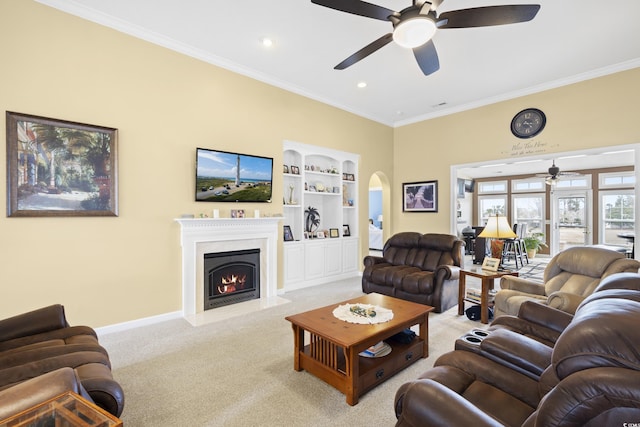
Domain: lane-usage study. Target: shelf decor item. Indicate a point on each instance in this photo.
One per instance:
(312, 219)
(60, 168)
(288, 235)
(420, 196)
(345, 230)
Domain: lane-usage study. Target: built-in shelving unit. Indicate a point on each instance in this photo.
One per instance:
(326, 181)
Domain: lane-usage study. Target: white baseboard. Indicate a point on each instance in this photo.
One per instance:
(119, 327)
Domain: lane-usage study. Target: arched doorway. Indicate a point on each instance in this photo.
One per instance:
(379, 212)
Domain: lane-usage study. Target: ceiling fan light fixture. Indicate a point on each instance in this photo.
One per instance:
(414, 32)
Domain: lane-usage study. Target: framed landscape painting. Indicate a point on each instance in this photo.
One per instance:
(60, 168)
(420, 196)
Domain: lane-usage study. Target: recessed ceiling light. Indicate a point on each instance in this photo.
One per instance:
(362, 84)
(492, 166)
(572, 157)
(527, 161)
(266, 42)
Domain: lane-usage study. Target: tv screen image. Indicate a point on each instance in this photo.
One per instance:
(223, 176)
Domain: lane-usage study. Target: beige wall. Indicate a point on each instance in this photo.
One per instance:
(111, 270)
(595, 113)
(164, 105)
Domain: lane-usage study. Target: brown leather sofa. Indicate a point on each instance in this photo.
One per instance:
(41, 341)
(591, 376)
(422, 268)
(570, 276)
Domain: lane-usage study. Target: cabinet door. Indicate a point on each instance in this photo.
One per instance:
(314, 260)
(350, 260)
(333, 258)
(293, 262)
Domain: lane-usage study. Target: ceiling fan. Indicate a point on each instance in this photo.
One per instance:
(414, 26)
(554, 174)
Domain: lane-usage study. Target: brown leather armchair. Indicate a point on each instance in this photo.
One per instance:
(569, 277)
(545, 324)
(27, 394)
(592, 377)
(422, 268)
(41, 341)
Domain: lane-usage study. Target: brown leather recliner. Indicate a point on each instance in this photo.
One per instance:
(27, 394)
(545, 324)
(592, 378)
(41, 341)
(569, 277)
(422, 268)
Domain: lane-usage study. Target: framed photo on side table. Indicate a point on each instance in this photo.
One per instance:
(420, 196)
(490, 264)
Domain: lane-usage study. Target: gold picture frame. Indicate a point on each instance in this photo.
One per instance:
(491, 264)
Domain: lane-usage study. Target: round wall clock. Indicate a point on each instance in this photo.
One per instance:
(528, 123)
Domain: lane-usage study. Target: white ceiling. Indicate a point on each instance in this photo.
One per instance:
(568, 41)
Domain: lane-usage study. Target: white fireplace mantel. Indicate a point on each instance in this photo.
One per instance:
(209, 235)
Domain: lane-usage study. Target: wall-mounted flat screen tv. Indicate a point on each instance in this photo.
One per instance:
(223, 176)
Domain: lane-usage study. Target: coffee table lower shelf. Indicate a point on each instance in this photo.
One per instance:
(372, 371)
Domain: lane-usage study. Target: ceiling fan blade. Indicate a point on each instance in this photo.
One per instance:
(357, 7)
(365, 51)
(427, 57)
(488, 16)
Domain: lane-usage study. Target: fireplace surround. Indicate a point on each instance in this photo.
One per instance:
(200, 236)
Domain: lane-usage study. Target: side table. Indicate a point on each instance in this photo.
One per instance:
(67, 409)
(487, 278)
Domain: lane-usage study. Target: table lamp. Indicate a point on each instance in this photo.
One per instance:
(497, 228)
(380, 220)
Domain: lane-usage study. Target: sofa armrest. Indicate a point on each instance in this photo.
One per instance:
(544, 315)
(518, 350)
(564, 301)
(425, 403)
(34, 322)
(38, 389)
(448, 272)
(370, 260)
(522, 285)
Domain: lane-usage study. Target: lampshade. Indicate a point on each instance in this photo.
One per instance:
(414, 32)
(380, 218)
(498, 228)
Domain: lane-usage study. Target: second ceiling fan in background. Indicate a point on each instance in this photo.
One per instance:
(414, 26)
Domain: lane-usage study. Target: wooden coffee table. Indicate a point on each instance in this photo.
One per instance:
(333, 347)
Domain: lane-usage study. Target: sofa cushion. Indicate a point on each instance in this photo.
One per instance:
(418, 282)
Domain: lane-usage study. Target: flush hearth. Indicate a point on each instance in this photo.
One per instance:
(231, 277)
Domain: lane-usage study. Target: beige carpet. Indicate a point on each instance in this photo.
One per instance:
(240, 372)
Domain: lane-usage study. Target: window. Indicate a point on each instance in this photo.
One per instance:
(617, 213)
(490, 206)
(527, 185)
(577, 182)
(529, 209)
(492, 187)
(617, 179)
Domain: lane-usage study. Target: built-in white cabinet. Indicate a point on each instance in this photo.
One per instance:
(322, 182)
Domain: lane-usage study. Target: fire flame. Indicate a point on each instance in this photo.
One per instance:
(231, 283)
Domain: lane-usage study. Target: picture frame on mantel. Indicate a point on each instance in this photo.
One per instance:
(420, 196)
(60, 168)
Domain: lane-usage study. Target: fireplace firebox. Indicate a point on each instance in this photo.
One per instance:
(231, 277)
